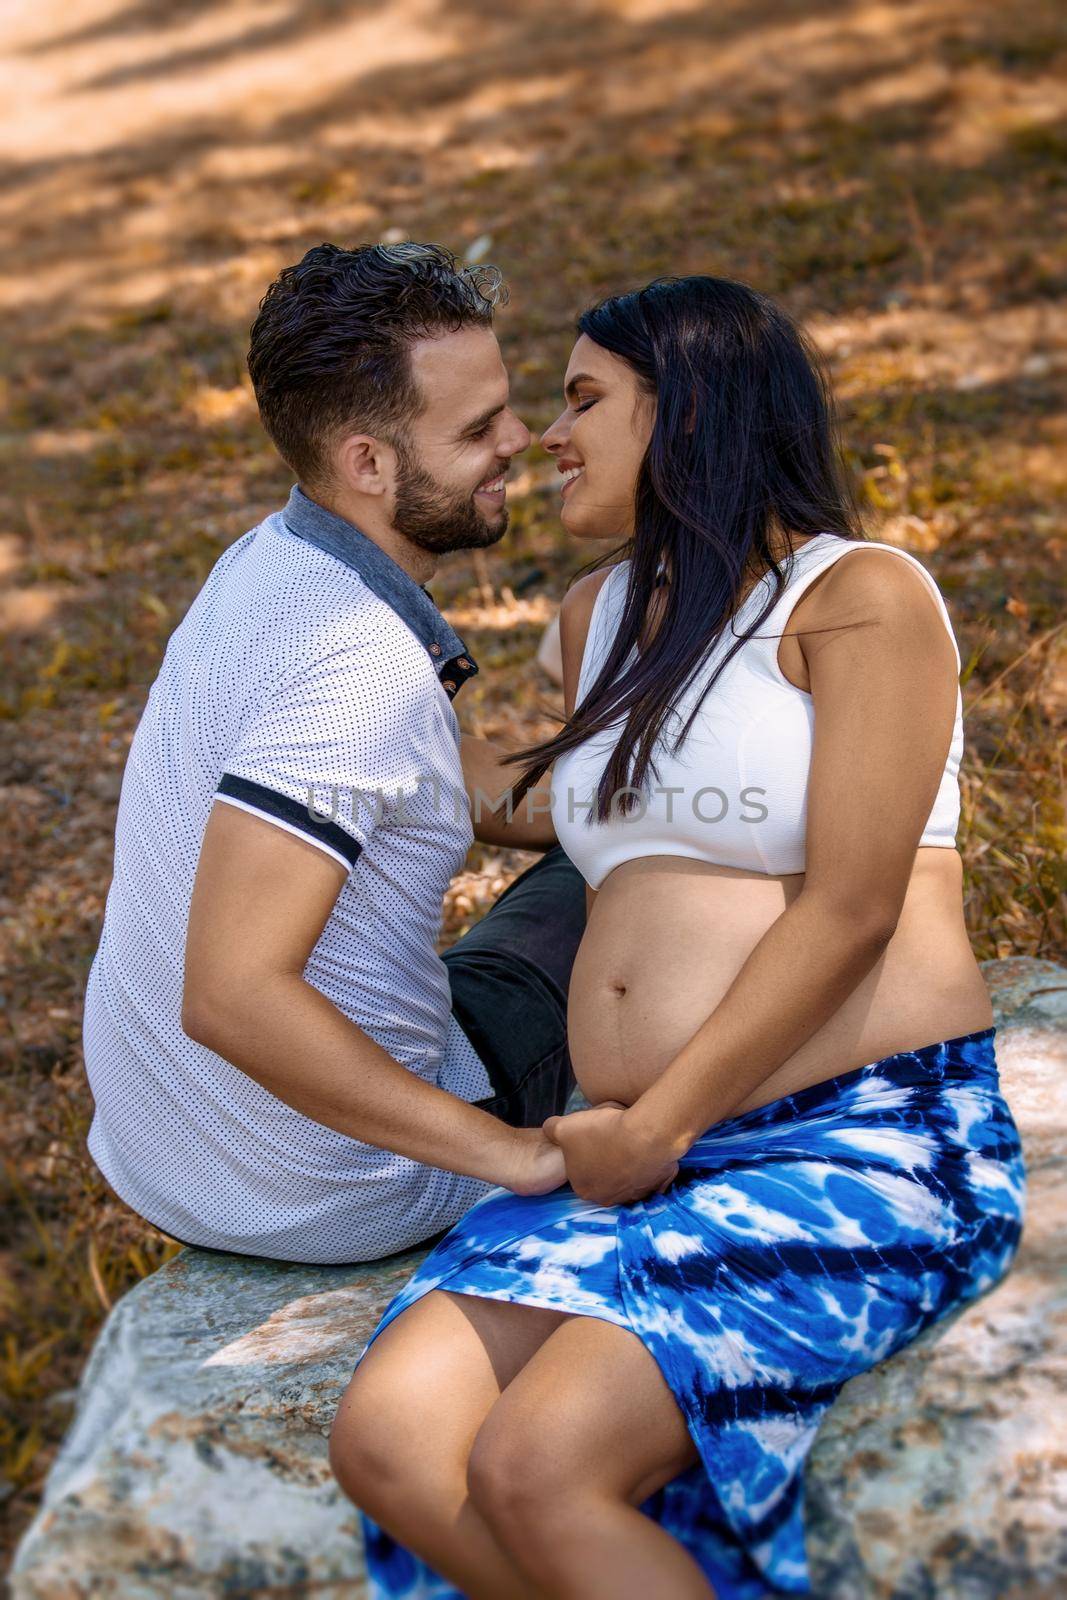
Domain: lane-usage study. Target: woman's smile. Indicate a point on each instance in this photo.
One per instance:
(571, 474)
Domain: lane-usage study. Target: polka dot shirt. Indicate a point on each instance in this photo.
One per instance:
(295, 691)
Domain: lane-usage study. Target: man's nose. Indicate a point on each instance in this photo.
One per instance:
(516, 438)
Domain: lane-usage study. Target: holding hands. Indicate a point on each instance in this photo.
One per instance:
(608, 1160)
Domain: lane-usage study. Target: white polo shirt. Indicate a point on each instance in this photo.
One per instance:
(293, 690)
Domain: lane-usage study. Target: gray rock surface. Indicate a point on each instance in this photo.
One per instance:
(942, 1473)
(196, 1466)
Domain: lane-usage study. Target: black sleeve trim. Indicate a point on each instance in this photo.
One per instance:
(302, 817)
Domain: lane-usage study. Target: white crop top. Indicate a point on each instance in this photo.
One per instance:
(736, 792)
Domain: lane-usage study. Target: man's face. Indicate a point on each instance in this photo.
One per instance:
(449, 492)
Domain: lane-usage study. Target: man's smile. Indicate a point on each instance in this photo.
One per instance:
(494, 488)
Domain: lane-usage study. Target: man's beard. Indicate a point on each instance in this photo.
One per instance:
(439, 519)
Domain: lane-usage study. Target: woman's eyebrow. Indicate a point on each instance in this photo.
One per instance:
(571, 387)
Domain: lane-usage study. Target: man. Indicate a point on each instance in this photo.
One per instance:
(282, 1065)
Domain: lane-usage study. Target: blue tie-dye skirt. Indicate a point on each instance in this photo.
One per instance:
(800, 1244)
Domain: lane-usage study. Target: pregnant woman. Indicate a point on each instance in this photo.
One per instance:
(797, 1155)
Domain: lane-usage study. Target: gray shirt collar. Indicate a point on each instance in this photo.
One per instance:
(413, 603)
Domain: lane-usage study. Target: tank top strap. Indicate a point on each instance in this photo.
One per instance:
(815, 558)
(603, 625)
(801, 570)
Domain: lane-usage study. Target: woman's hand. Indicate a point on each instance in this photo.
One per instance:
(608, 1161)
(533, 1164)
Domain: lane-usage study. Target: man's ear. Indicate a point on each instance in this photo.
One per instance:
(365, 463)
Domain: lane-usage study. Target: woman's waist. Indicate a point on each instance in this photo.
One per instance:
(670, 926)
(651, 908)
(654, 966)
(936, 1107)
(936, 870)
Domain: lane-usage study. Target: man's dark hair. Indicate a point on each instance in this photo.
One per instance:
(330, 348)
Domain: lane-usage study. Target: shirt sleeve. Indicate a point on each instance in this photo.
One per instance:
(335, 749)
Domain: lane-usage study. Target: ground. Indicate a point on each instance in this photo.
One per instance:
(895, 173)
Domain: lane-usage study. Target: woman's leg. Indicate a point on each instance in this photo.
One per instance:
(583, 1434)
(403, 1432)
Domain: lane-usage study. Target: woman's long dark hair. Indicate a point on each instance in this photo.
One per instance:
(743, 448)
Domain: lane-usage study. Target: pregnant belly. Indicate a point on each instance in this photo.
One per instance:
(667, 936)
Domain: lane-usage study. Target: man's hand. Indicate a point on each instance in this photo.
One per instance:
(608, 1161)
(533, 1164)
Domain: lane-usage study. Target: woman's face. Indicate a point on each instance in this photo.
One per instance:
(599, 442)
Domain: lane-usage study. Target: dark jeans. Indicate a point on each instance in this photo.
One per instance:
(509, 978)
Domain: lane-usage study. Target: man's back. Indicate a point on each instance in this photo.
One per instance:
(293, 691)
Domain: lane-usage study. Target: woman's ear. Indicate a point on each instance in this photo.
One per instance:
(643, 418)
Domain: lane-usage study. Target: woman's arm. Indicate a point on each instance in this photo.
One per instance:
(575, 615)
(883, 684)
(488, 782)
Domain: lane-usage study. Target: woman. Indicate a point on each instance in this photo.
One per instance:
(797, 1155)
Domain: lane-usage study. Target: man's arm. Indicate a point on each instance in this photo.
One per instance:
(531, 826)
(260, 901)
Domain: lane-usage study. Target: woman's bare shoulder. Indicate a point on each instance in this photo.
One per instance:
(887, 584)
(577, 604)
(885, 589)
(575, 615)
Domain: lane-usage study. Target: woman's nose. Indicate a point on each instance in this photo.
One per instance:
(555, 436)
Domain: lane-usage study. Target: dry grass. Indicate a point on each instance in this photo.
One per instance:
(895, 173)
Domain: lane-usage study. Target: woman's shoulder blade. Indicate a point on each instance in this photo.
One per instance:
(581, 597)
(577, 607)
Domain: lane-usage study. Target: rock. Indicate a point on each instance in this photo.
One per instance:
(196, 1466)
(941, 1472)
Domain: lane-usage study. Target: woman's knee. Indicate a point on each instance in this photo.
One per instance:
(561, 1439)
(516, 1482)
(364, 1449)
(403, 1426)
(384, 1449)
